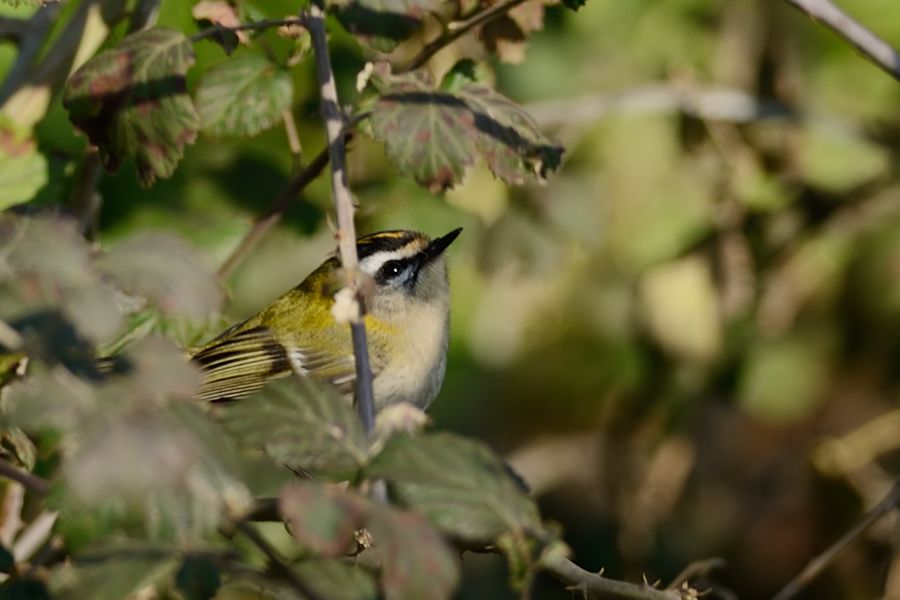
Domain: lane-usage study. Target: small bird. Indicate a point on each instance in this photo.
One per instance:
(407, 323)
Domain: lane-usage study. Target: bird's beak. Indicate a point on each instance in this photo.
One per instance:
(438, 245)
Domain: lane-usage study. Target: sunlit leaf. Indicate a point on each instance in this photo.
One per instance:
(303, 424)
(322, 518)
(435, 135)
(131, 101)
(463, 487)
(243, 95)
(21, 176)
(164, 268)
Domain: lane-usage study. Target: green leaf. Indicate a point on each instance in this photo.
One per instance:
(323, 518)
(434, 135)
(417, 564)
(21, 176)
(304, 424)
(131, 101)
(383, 23)
(243, 95)
(459, 484)
(113, 572)
(198, 578)
(164, 268)
(337, 580)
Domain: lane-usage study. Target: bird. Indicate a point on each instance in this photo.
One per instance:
(407, 323)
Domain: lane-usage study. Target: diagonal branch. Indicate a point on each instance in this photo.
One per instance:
(343, 204)
(29, 481)
(456, 30)
(869, 45)
(815, 567)
(264, 223)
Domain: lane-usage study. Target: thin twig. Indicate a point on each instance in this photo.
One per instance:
(30, 481)
(264, 223)
(456, 30)
(293, 138)
(864, 40)
(254, 26)
(284, 569)
(343, 204)
(594, 585)
(815, 567)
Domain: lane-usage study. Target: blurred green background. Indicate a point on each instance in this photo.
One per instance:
(687, 340)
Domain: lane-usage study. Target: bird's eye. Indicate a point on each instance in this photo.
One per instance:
(391, 269)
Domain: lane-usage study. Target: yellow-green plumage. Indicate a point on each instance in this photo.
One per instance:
(406, 325)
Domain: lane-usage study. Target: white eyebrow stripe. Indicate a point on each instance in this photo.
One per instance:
(372, 263)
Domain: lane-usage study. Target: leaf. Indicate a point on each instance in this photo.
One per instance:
(164, 268)
(434, 135)
(417, 563)
(337, 580)
(21, 176)
(322, 517)
(113, 572)
(198, 578)
(383, 23)
(302, 423)
(185, 484)
(459, 484)
(131, 101)
(243, 95)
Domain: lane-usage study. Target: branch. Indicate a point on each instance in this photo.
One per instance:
(594, 585)
(823, 560)
(343, 204)
(29, 481)
(264, 223)
(867, 43)
(456, 30)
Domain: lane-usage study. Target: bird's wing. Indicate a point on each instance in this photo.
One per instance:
(240, 362)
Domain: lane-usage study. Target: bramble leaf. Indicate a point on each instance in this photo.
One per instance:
(242, 96)
(113, 571)
(21, 176)
(417, 563)
(459, 484)
(303, 424)
(131, 101)
(322, 518)
(434, 135)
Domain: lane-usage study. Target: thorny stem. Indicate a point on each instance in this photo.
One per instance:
(343, 204)
(869, 45)
(254, 26)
